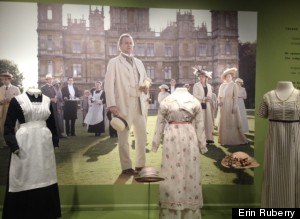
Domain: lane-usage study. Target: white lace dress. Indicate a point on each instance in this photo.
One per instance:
(183, 141)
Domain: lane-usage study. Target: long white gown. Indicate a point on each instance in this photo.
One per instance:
(184, 140)
(281, 169)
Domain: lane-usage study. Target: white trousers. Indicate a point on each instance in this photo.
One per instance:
(140, 135)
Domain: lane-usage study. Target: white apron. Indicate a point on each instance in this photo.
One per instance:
(95, 113)
(35, 166)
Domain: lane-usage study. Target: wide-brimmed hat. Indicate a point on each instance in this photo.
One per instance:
(6, 75)
(239, 80)
(118, 123)
(232, 71)
(199, 71)
(164, 86)
(148, 174)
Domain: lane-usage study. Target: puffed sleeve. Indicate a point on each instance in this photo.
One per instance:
(160, 126)
(51, 125)
(199, 128)
(14, 114)
(264, 107)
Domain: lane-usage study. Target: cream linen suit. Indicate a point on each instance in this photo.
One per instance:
(8, 93)
(121, 87)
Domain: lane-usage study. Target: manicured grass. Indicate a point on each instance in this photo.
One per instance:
(89, 160)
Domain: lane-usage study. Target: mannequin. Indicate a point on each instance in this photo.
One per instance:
(284, 90)
(180, 124)
(182, 95)
(34, 91)
(281, 157)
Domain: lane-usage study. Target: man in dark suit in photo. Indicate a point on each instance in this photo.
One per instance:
(70, 95)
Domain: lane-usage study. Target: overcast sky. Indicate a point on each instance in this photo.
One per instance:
(18, 22)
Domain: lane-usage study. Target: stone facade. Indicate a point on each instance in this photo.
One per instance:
(81, 51)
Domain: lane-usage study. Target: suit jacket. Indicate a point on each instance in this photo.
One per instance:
(9, 93)
(70, 106)
(49, 91)
(117, 83)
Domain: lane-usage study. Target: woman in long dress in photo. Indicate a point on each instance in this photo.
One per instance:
(96, 115)
(229, 125)
(203, 92)
(32, 190)
(180, 123)
(242, 95)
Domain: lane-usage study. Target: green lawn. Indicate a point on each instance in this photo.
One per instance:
(89, 160)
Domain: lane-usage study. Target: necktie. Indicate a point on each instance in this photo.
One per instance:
(129, 59)
(6, 88)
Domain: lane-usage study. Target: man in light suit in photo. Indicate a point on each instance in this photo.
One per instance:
(7, 92)
(125, 81)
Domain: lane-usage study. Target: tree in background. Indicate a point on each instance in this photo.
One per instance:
(12, 68)
(247, 71)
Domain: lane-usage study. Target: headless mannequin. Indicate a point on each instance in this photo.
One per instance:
(284, 90)
(181, 95)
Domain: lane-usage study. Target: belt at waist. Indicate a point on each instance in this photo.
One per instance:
(174, 122)
(33, 124)
(284, 121)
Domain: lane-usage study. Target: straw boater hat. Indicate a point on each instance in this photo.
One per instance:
(118, 123)
(232, 71)
(164, 86)
(199, 71)
(6, 75)
(148, 174)
(239, 80)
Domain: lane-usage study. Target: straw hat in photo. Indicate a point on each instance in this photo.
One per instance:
(118, 123)
(148, 174)
(199, 71)
(164, 86)
(239, 80)
(231, 71)
(6, 75)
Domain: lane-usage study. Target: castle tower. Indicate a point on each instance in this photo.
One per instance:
(129, 19)
(225, 42)
(50, 41)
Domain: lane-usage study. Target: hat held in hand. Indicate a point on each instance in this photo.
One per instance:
(118, 123)
(148, 174)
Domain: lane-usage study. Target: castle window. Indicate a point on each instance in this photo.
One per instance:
(168, 50)
(168, 72)
(97, 45)
(150, 49)
(76, 70)
(50, 43)
(140, 50)
(50, 68)
(76, 47)
(150, 71)
(227, 20)
(202, 50)
(112, 50)
(227, 48)
(49, 13)
(185, 70)
(185, 47)
(152, 97)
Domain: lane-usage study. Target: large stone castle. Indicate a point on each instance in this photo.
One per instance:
(83, 51)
